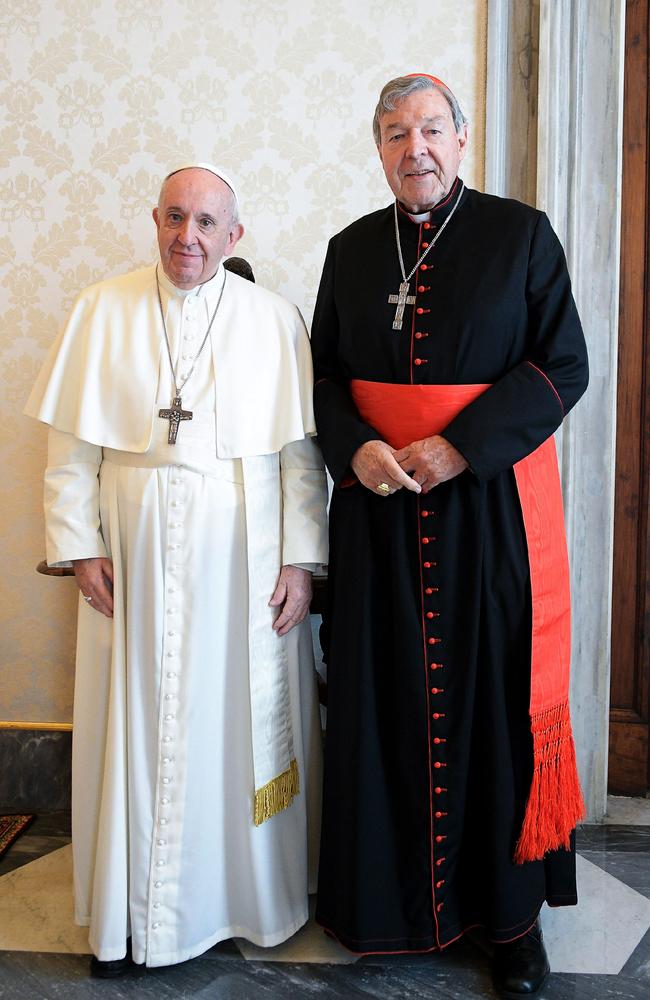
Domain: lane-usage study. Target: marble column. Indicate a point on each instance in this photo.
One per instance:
(511, 99)
(576, 105)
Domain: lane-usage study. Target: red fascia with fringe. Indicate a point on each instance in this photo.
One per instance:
(406, 413)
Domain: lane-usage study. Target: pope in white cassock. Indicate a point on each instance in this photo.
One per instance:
(184, 486)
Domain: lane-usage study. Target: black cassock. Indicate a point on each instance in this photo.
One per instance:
(427, 773)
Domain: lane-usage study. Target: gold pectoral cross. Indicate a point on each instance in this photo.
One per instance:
(175, 414)
(401, 300)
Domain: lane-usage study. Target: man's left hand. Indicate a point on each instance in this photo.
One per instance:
(293, 592)
(431, 461)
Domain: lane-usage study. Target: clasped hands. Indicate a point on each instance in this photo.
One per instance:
(418, 467)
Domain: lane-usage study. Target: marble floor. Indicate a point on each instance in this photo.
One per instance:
(599, 949)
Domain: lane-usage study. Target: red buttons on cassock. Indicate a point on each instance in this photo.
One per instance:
(437, 690)
(432, 641)
(420, 336)
(431, 590)
(438, 715)
(418, 362)
(438, 739)
(440, 883)
(427, 565)
(439, 862)
(439, 815)
(440, 838)
(424, 267)
(423, 513)
(419, 310)
(439, 907)
(422, 288)
(436, 666)
(424, 245)
(438, 764)
(425, 540)
(427, 225)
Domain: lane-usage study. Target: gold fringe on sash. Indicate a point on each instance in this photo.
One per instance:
(277, 794)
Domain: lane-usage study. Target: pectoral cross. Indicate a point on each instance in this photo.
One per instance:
(401, 300)
(175, 414)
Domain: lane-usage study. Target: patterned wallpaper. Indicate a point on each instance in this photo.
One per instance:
(98, 101)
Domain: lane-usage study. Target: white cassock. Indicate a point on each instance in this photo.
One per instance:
(166, 754)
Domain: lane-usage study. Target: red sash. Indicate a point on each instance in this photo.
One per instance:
(406, 413)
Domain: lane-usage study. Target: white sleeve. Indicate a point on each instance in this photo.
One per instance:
(71, 500)
(304, 504)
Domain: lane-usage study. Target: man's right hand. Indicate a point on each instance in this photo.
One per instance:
(95, 580)
(373, 464)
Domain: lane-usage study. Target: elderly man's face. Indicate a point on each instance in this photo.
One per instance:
(420, 149)
(195, 227)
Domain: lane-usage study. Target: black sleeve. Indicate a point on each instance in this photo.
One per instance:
(524, 407)
(340, 428)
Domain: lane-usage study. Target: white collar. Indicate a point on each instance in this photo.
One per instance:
(207, 289)
(421, 217)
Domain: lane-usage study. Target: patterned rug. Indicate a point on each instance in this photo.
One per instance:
(11, 827)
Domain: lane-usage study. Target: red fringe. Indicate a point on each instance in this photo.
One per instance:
(555, 804)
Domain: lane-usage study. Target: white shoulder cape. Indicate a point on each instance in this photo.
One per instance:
(100, 379)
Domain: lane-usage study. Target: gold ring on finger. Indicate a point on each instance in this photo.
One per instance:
(383, 488)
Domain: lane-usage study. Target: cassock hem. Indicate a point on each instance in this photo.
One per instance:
(400, 946)
(233, 931)
(379, 946)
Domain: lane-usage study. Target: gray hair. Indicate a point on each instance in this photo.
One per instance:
(401, 87)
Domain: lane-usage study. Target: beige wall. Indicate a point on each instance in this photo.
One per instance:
(99, 100)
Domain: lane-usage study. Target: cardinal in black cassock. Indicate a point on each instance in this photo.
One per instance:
(447, 350)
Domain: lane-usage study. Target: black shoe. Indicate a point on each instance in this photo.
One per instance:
(113, 969)
(520, 968)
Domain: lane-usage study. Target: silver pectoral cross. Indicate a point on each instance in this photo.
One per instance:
(175, 414)
(401, 300)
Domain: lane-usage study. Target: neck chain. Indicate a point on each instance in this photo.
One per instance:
(403, 298)
(176, 413)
